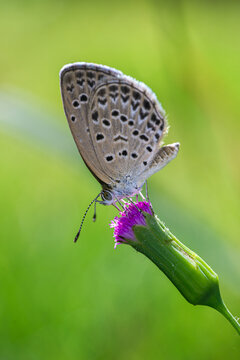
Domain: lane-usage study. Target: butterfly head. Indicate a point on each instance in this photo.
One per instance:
(108, 197)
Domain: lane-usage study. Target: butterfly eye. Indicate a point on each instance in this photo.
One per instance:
(106, 195)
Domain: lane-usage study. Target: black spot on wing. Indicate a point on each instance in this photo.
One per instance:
(123, 118)
(115, 112)
(70, 88)
(155, 119)
(144, 137)
(125, 89)
(102, 101)
(135, 105)
(146, 104)
(99, 137)
(79, 74)
(150, 126)
(143, 114)
(90, 74)
(91, 83)
(134, 155)
(136, 95)
(102, 92)
(109, 158)
(95, 116)
(83, 98)
(120, 138)
(135, 132)
(125, 98)
(113, 88)
(75, 103)
(81, 82)
(114, 96)
(106, 123)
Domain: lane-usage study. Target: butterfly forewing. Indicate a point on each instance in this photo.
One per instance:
(78, 82)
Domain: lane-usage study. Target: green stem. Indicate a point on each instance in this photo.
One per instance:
(226, 313)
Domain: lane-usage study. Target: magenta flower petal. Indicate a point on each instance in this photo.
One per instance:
(132, 215)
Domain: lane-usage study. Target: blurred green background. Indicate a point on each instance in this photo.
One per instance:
(88, 301)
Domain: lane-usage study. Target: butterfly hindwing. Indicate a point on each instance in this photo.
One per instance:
(126, 124)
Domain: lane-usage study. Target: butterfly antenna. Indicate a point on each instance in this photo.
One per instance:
(94, 216)
(95, 212)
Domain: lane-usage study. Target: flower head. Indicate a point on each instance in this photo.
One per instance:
(132, 215)
(191, 275)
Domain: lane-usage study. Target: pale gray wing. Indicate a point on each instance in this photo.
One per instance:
(78, 81)
(163, 156)
(127, 124)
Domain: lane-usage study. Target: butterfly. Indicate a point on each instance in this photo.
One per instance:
(118, 126)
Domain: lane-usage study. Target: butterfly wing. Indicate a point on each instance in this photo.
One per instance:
(126, 124)
(78, 82)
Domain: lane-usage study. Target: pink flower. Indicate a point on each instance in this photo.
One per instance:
(132, 215)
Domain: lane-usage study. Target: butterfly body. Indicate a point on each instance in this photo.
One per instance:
(126, 187)
(117, 124)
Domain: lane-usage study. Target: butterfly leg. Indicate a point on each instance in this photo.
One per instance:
(146, 190)
(142, 195)
(132, 202)
(119, 202)
(116, 207)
